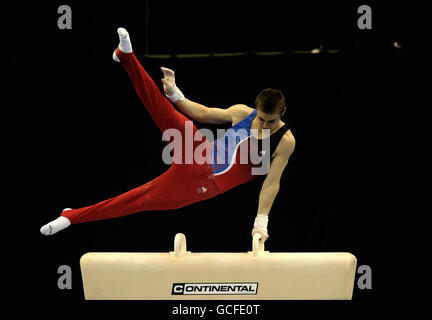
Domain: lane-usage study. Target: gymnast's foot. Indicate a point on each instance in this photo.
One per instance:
(125, 44)
(56, 225)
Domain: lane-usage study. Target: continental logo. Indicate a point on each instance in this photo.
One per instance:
(244, 288)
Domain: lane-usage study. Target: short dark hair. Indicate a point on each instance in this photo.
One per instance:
(270, 101)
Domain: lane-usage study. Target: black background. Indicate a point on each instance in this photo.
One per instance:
(75, 133)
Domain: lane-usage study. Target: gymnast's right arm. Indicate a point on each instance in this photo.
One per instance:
(193, 110)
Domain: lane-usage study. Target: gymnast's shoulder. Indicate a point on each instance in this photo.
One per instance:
(286, 144)
(239, 110)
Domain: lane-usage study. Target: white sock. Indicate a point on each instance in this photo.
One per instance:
(56, 225)
(125, 44)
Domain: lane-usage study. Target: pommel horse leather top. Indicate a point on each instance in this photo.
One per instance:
(183, 275)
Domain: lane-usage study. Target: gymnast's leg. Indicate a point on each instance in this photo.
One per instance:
(160, 108)
(192, 182)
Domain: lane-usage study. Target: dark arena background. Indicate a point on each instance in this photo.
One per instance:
(75, 133)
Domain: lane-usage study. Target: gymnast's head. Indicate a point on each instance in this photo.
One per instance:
(270, 105)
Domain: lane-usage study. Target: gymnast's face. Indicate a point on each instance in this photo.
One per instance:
(268, 120)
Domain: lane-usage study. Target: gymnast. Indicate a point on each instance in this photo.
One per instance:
(186, 183)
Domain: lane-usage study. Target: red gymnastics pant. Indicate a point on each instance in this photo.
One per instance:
(180, 185)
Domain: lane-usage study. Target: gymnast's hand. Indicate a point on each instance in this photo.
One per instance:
(262, 232)
(260, 226)
(168, 81)
(171, 91)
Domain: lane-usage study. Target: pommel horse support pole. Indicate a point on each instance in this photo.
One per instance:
(253, 275)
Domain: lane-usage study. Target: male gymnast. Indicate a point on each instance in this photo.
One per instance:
(186, 183)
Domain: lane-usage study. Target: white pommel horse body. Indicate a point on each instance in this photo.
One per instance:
(253, 275)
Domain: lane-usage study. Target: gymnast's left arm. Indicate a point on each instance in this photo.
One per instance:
(270, 187)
